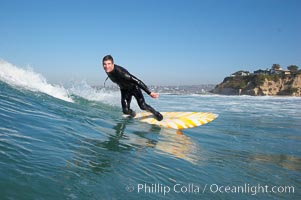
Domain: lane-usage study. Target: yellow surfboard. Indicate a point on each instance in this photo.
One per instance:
(178, 120)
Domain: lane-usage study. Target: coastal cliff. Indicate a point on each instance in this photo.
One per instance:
(261, 85)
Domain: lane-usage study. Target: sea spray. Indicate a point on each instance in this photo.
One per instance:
(28, 79)
(86, 91)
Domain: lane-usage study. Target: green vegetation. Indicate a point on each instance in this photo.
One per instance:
(235, 82)
(259, 79)
(240, 82)
(275, 77)
(276, 66)
(293, 68)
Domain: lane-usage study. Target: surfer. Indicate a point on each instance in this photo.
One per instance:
(129, 86)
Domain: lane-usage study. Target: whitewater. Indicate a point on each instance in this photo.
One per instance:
(59, 142)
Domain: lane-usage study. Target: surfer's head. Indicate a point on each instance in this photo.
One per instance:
(108, 63)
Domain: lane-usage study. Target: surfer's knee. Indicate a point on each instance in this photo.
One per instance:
(143, 106)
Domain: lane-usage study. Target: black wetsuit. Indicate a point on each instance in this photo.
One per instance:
(130, 86)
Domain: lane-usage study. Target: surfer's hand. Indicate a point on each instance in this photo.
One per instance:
(154, 95)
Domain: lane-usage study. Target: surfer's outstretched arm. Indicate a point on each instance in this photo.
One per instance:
(129, 77)
(143, 87)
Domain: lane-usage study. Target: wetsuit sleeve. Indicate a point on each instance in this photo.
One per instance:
(126, 75)
(140, 84)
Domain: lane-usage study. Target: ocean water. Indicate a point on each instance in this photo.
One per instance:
(73, 143)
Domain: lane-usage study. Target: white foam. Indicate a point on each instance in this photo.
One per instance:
(84, 90)
(28, 79)
(107, 96)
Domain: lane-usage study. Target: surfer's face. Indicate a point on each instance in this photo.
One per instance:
(108, 66)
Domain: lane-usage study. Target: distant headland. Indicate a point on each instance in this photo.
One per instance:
(272, 81)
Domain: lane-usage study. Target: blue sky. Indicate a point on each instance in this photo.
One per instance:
(163, 42)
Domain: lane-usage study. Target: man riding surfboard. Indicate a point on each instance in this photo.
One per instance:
(129, 86)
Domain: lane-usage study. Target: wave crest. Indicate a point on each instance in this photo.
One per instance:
(28, 79)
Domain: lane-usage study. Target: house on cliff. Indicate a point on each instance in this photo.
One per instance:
(280, 71)
(272, 71)
(240, 73)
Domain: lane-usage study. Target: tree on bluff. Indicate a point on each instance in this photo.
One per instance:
(276, 66)
(293, 68)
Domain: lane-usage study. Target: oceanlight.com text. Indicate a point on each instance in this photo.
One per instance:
(251, 189)
(194, 188)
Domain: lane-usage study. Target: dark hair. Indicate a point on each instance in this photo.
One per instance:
(108, 57)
